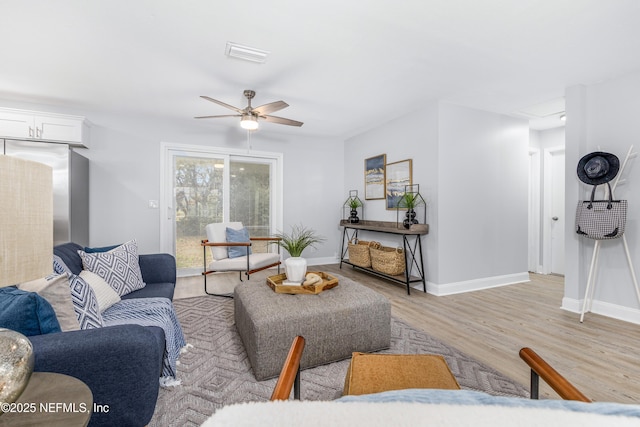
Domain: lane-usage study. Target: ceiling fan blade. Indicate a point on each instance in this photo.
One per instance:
(282, 121)
(231, 107)
(215, 117)
(270, 108)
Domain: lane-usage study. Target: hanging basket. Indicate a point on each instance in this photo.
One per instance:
(359, 253)
(388, 260)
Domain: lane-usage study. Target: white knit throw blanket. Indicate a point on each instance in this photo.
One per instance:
(399, 414)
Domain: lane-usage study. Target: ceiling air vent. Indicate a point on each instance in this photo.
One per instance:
(247, 53)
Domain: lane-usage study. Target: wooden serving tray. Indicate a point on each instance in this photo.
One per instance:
(328, 282)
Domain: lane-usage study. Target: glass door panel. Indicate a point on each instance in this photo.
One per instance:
(250, 198)
(199, 199)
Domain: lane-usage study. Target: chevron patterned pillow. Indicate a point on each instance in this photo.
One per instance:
(85, 303)
(119, 267)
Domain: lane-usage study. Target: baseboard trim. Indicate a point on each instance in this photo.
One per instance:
(321, 261)
(476, 284)
(602, 308)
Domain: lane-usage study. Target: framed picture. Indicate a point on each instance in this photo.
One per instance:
(398, 174)
(374, 177)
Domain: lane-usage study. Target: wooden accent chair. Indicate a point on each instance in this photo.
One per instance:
(541, 369)
(245, 261)
(290, 373)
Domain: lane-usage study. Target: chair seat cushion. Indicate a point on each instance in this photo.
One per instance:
(374, 373)
(240, 263)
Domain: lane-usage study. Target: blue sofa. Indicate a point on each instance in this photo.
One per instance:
(120, 364)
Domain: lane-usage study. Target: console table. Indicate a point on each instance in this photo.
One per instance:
(411, 243)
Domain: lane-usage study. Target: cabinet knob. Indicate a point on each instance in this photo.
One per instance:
(555, 218)
(30, 132)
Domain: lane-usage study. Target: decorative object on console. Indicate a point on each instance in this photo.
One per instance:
(359, 253)
(26, 227)
(351, 206)
(413, 205)
(295, 243)
(398, 176)
(387, 260)
(374, 177)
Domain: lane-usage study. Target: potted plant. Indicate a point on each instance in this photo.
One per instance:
(295, 243)
(410, 201)
(354, 204)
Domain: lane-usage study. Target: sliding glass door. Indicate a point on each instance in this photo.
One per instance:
(205, 186)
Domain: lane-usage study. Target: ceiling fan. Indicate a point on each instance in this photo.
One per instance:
(250, 115)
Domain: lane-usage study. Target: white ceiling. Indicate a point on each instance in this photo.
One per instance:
(343, 66)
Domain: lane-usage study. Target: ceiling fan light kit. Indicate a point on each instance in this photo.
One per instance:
(249, 122)
(249, 116)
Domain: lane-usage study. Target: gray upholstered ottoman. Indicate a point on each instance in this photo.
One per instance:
(334, 323)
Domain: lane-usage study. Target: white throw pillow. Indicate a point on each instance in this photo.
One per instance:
(105, 294)
(119, 267)
(55, 289)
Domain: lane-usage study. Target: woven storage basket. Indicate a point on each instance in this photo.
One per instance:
(387, 260)
(359, 253)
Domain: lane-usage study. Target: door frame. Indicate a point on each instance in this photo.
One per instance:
(534, 262)
(547, 203)
(168, 150)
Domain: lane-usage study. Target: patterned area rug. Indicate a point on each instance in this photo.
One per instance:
(216, 371)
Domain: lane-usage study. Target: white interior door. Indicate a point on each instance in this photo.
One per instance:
(557, 212)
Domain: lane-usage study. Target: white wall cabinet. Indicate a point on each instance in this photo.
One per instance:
(37, 126)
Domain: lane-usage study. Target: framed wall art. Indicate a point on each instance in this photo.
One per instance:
(374, 177)
(398, 174)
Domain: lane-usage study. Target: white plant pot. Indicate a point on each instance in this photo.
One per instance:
(295, 268)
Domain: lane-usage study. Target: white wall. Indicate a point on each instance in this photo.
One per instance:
(414, 136)
(483, 194)
(551, 138)
(604, 117)
(472, 167)
(125, 174)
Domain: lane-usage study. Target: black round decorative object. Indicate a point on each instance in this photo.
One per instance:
(410, 219)
(353, 219)
(598, 168)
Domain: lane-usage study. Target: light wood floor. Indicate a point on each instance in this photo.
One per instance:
(600, 356)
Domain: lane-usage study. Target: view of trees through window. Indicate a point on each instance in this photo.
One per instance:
(199, 200)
